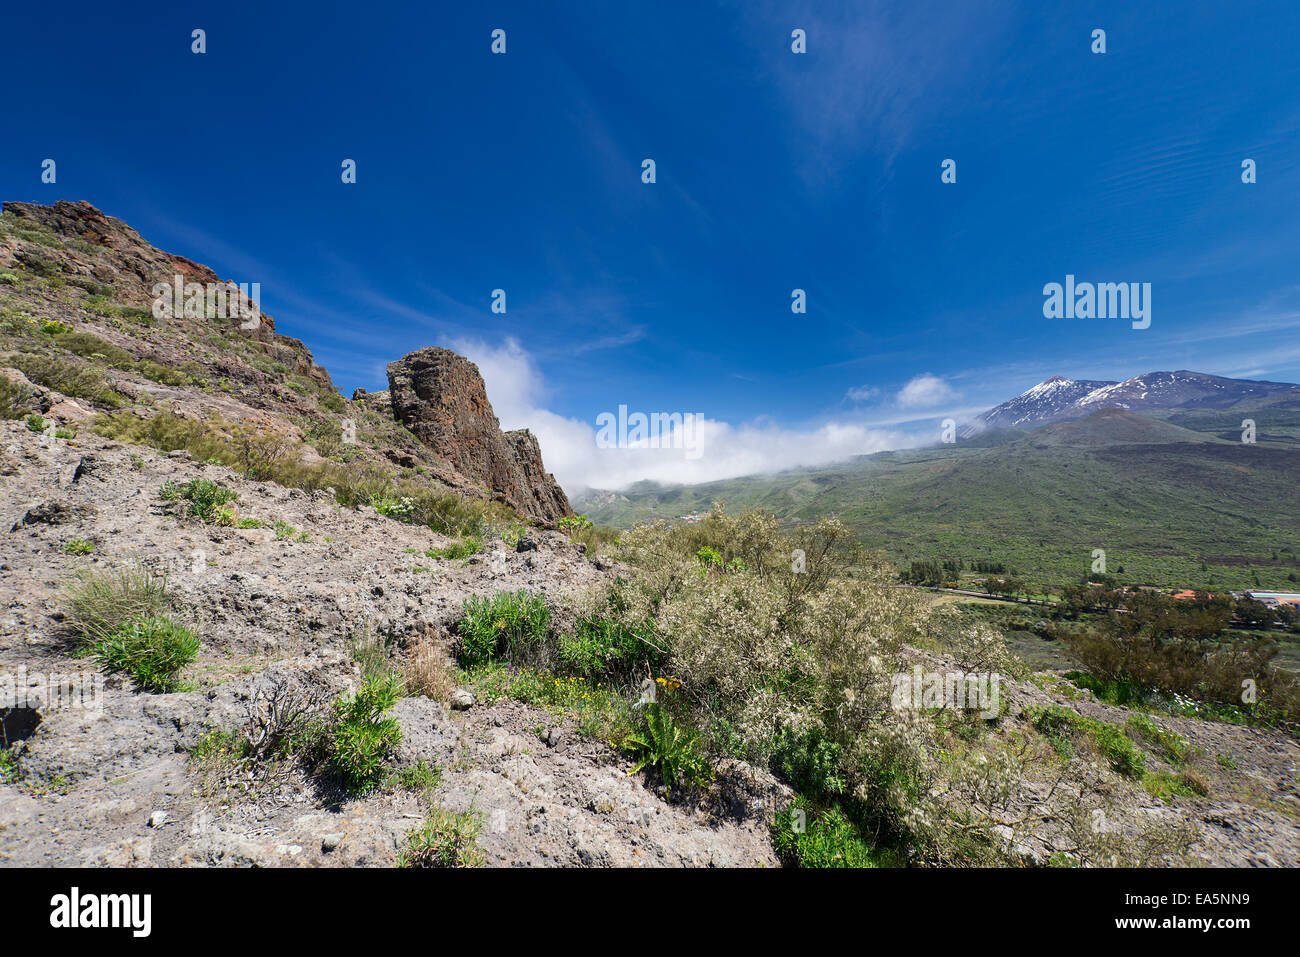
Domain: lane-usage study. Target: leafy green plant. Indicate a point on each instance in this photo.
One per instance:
(152, 651)
(804, 836)
(205, 497)
(506, 624)
(444, 840)
(78, 546)
(365, 736)
(401, 507)
(570, 523)
(669, 748)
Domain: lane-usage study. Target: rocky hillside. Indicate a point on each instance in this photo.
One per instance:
(79, 330)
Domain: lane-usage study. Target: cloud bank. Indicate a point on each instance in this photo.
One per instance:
(569, 448)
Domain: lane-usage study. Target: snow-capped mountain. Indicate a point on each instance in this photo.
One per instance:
(1057, 398)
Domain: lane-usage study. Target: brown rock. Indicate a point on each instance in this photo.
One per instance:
(440, 397)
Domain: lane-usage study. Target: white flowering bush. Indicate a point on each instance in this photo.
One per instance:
(785, 646)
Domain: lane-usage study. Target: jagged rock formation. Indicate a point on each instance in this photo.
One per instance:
(440, 397)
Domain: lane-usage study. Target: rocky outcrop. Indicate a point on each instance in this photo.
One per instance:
(440, 397)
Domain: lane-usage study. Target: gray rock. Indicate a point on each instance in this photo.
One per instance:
(462, 699)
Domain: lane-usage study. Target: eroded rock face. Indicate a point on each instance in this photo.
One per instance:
(440, 397)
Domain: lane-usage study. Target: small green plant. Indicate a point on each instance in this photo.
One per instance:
(457, 550)
(571, 523)
(250, 523)
(804, 836)
(401, 508)
(1171, 745)
(506, 624)
(205, 497)
(420, 777)
(152, 651)
(365, 735)
(444, 840)
(284, 532)
(36, 423)
(78, 546)
(669, 748)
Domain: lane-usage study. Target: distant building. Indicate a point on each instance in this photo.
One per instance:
(1274, 598)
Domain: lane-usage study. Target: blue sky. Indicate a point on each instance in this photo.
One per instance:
(775, 171)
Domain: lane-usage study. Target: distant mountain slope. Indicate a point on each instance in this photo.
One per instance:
(1161, 499)
(1058, 398)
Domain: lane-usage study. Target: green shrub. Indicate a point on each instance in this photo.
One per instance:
(16, 399)
(401, 508)
(572, 523)
(809, 763)
(205, 497)
(78, 546)
(364, 736)
(152, 651)
(669, 748)
(69, 377)
(444, 840)
(508, 624)
(610, 644)
(804, 836)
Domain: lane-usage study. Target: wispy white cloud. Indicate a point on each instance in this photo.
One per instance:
(925, 392)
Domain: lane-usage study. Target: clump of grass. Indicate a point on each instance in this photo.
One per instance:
(1170, 745)
(285, 532)
(152, 651)
(420, 777)
(1059, 723)
(102, 603)
(428, 672)
(457, 550)
(373, 651)
(504, 625)
(444, 840)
